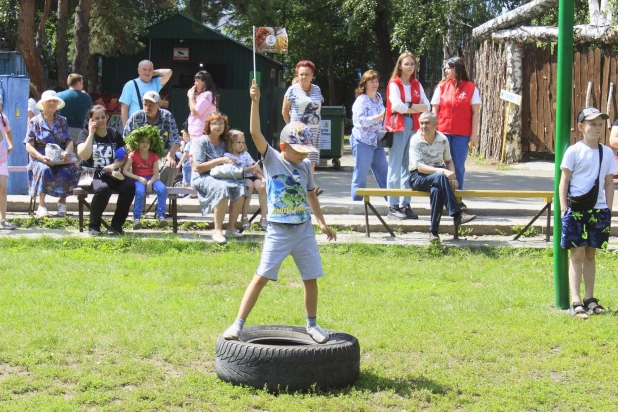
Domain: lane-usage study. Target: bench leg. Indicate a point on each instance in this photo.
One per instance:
(367, 220)
(80, 205)
(103, 222)
(375, 212)
(548, 222)
(521, 232)
(174, 210)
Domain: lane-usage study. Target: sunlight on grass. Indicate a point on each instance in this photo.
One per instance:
(131, 325)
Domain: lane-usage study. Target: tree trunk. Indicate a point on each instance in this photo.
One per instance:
(92, 74)
(514, 59)
(82, 38)
(363, 51)
(449, 40)
(62, 48)
(581, 34)
(40, 35)
(513, 18)
(383, 36)
(26, 45)
(331, 62)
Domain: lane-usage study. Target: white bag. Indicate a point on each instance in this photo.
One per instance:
(228, 171)
(85, 179)
(55, 154)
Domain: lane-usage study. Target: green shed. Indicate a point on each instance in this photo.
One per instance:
(186, 46)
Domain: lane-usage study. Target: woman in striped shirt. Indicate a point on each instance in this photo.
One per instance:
(302, 103)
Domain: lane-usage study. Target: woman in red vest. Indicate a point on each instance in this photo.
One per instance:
(457, 103)
(405, 100)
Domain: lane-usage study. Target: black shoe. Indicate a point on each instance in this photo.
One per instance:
(410, 214)
(395, 213)
(112, 231)
(463, 218)
(463, 206)
(434, 238)
(93, 231)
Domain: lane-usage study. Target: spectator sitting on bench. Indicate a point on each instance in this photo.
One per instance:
(432, 170)
(237, 150)
(96, 146)
(143, 167)
(152, 114)
(216, 194)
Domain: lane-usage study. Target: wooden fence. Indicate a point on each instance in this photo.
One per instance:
(539, 71)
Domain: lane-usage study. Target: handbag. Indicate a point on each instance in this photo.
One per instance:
(86, 177)
(588, 200)
(228, 171)
(55, 154)
(385, 139)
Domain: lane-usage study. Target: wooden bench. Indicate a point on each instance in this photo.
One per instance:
(172, 196)
(547, 197)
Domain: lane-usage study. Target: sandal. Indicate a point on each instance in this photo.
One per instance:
(6, 225)
(264, 223)
(245, 223)
(62, 209)
(578, 310)
(595, 310)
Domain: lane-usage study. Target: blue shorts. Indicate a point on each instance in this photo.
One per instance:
(282, 240)
(589, 228)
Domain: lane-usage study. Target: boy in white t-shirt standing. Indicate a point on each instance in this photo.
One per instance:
(291, 199)
(586, 226)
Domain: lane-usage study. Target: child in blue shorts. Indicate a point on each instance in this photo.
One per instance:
(587, 168)
(291, 199)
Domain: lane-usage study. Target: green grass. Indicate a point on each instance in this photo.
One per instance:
(131, 325)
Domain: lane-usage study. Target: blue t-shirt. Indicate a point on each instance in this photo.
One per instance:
(128, 92)
(286, 186)
(76, 105)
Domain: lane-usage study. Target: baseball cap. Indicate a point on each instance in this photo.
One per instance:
(590, 113)
(152, 96)
(298, 136)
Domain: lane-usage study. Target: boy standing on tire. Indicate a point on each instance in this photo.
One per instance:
(587, 180)
(291, 199)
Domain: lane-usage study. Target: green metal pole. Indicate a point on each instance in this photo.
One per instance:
(563, 136)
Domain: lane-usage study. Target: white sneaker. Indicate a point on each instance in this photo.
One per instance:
(318, 334)
(232, 333)
(41, 212)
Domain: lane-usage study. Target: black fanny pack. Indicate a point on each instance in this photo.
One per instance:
(588, 200)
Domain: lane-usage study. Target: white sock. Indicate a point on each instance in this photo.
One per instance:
(318, 334)
(233, 332)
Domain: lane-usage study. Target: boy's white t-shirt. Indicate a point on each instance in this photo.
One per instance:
(583, 162)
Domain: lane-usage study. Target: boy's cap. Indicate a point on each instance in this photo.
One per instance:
(590, 113)
(152, 96)
(298, 136)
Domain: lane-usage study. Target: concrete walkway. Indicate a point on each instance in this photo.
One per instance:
(497, 218)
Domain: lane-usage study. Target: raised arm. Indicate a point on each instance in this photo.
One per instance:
(254, 126)
(165, 74)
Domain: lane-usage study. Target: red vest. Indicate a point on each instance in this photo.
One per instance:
(455, 115)
(415, 92)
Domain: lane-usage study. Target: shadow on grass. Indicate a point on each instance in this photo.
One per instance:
(405, 386)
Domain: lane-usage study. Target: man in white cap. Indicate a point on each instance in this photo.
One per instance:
(134, 90)
(153, 115)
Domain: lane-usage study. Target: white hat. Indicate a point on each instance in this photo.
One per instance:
(50, 95)
(152, 96)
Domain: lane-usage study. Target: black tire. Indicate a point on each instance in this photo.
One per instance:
(336, 164)
(282, 358)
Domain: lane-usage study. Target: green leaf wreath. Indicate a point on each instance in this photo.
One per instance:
(150, 132)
